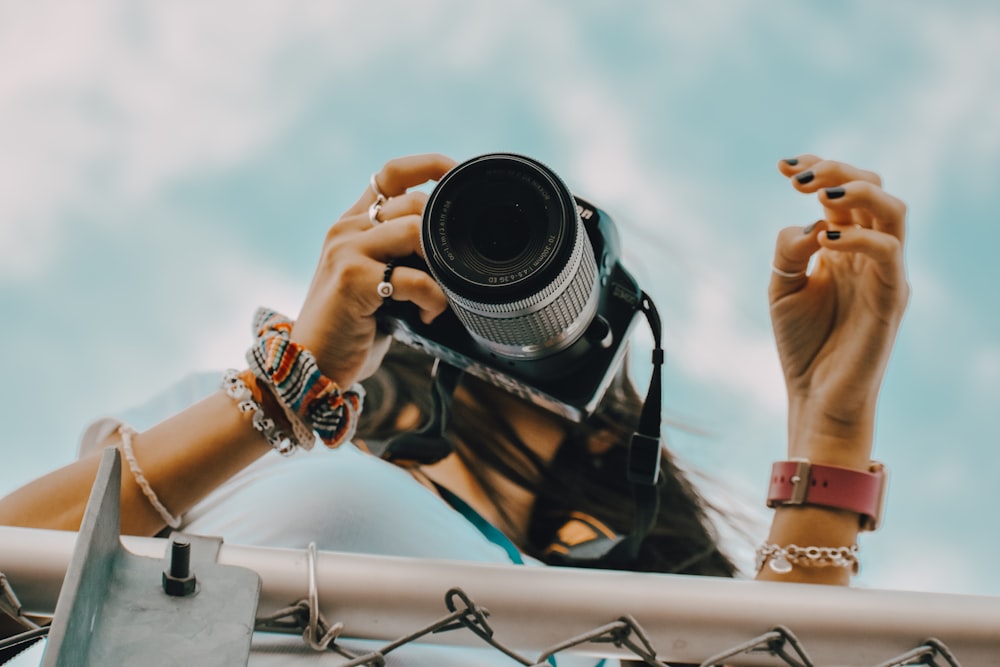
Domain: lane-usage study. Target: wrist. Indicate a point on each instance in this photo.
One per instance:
(809, 529)
(264, 395)
(244, 389)
(822, 436)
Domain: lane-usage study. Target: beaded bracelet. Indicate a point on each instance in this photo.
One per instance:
(309, 397)
(301, 434)
(233, 385)
(781, 559)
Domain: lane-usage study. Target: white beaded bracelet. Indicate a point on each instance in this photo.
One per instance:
(240, 392)
(126, 433)
(781, 559)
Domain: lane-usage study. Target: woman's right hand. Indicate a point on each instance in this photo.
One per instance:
(337, 322)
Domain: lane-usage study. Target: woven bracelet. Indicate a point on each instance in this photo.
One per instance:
(310, 399)
(126, 433)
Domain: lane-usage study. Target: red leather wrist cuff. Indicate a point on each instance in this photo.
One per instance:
(799, 482)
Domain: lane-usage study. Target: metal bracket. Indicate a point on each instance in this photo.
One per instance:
(113, 610)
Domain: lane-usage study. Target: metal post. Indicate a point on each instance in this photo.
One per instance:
(118, 608)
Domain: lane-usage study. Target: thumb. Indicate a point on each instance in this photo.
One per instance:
(793, 248)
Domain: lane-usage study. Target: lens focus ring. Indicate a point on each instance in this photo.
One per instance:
(552, 318)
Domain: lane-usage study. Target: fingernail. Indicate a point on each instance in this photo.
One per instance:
(834, 193)
(809, 228)
(791, 161)
(832, 234)
(805, 177)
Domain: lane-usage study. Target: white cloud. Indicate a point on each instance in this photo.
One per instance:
(112, 102)
(985, 370)
(714, 348)
(935, 567)
(941, 115)
(238, 287)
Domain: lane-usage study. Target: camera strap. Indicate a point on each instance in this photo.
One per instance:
(643, 472)
(645, 450)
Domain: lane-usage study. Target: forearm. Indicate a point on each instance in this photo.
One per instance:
(183, 458)
(837, 294)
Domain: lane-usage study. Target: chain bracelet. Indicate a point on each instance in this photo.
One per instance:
(781, 559)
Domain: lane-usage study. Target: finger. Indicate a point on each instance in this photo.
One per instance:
(398, 237)
(419, 288)
(884, 212)
(824, 174)
(793, 249)
(885, 250)
(791, 166)
(811, 173)
(353, 239)
(400, 174)
(411, 203)
(377, 213)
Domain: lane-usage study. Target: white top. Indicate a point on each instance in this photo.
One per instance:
(343, 500)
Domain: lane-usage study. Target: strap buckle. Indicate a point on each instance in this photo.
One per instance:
(870, 523)
(800, 482)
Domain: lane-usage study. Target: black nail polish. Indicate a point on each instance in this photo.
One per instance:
(808, 228)
(834, 193)
(791, 161)
(805, 177)
(832, 234)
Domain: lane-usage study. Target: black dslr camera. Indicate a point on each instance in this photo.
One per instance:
(539, 303)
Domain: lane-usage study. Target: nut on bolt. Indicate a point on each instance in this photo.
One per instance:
(177, 579)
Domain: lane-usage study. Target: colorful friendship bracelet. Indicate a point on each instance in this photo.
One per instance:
(309, 397)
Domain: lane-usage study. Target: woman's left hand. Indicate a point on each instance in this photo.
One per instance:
(835, 326)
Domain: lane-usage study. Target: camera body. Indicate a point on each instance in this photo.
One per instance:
(540, 304)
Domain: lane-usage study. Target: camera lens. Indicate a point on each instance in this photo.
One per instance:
(502, 236)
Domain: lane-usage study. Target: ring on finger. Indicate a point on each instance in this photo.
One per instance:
(385, 288)
(787, 274)
(373, 212)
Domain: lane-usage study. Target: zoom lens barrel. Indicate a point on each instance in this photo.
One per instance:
(502, 236)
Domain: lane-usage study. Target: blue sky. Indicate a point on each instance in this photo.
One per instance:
(167, 167)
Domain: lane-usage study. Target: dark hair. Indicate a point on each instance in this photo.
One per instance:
(682, 541)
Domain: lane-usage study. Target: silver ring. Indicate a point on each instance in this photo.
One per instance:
(373, 212)
(379, 195)
(385, 288)
(787, 274)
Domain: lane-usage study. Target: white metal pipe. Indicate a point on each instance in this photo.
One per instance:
(532, 608)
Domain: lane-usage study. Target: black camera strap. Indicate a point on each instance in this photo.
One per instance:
(645, 451)
(643, 472)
